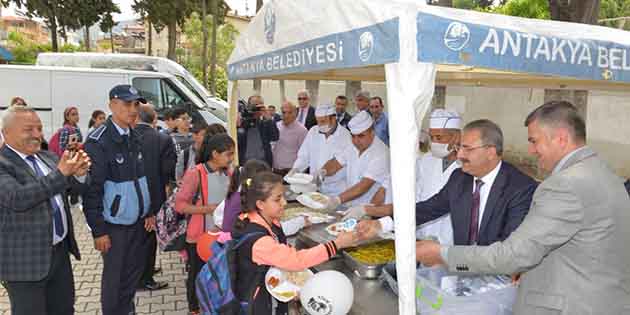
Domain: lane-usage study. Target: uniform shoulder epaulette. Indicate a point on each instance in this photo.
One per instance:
(97, 133)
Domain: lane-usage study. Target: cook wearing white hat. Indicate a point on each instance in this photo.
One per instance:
(432, 173)
(322, 143)
(366, 162)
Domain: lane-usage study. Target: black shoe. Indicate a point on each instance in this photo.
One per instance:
(153, 285)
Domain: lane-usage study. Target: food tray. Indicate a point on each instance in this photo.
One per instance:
(362, 270)
(317, 234)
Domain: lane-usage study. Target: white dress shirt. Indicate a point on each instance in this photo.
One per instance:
(488, 181)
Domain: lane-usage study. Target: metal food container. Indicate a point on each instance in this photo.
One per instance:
(363, 270)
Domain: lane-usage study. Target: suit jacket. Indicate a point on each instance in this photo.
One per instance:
(310, 118)
(508, 201)
(26, 216)
(159, 164)
(268, 133)
(345, 119)
(572, 247)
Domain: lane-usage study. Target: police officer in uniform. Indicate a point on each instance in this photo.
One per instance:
(117, 201)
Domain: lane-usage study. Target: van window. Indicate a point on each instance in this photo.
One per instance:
(189, 86)
(172, 96)
(150, 88)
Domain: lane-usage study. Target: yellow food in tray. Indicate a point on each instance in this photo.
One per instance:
(293, 212)
(374, 254)
(317, 197)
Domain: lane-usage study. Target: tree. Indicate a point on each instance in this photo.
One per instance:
(107, 26)
(583, 11)
(166, 13)
(535, 9)
(192, 59)
(53, 12)
(615, 13)
(88, 12)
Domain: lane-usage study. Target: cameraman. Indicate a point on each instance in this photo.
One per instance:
(256, 131)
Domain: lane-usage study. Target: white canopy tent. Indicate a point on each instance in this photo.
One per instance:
(411, 46)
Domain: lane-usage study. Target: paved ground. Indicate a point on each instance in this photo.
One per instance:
(87, 277)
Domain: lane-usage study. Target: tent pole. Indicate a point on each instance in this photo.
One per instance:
(232, 116)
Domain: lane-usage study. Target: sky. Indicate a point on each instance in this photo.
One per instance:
(127, 12)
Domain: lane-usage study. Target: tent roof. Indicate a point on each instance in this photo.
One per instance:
(351, 40)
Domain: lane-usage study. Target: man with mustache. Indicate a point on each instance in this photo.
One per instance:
(487, 198)
(36, 230)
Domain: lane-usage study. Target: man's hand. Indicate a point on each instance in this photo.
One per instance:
(368, 229)
(103, 243)
(428, 253)
(356, 212)
(333, 202)
(346, 239)
(149, 223)
(75, 165)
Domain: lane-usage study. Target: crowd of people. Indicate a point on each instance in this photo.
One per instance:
(475, 211)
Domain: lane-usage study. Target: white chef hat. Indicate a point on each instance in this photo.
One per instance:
(445, 119)
(324, 110)
(360, 122)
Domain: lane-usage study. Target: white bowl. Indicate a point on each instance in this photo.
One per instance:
(299, 178)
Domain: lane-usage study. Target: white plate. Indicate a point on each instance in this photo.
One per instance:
(345, 226)
(284, 286)
(299, 178)
(306, 199)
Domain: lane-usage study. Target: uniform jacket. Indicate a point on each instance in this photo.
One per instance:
(509, 200)
(572, 247)
(119, 192)
(26, 216)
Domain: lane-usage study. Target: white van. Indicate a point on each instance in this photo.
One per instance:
(132, 62)
(51, 89)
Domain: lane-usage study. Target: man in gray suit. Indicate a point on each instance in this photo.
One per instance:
(36, 232)
(572, 247)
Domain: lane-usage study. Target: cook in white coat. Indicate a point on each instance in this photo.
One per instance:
(367, 163)
(321, 144)
(432, 173)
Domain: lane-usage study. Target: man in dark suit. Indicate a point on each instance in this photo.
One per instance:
(487, 199)
(306, 112)
(36, 231)
(341, 103)
(158, 150)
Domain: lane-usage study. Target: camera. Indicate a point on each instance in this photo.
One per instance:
(248, 114)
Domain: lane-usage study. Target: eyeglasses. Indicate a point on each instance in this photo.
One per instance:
(184, 118)
(302, 98)
(467, 149)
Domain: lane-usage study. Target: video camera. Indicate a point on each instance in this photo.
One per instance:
(248, 114)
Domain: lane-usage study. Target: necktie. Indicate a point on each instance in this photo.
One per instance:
(474, 214)
(58, 220)
(300, 118)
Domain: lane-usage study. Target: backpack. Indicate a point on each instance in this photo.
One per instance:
(171, 225)
(216, 282)
(54, 145)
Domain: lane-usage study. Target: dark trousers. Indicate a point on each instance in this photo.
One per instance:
(195, 264)
(54, 295)
(149, 267)
(123, 265)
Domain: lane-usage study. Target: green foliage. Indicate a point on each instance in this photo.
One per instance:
(191, 59)
(535, 9)
(162, 13)
(613, 9)
(25, 51)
